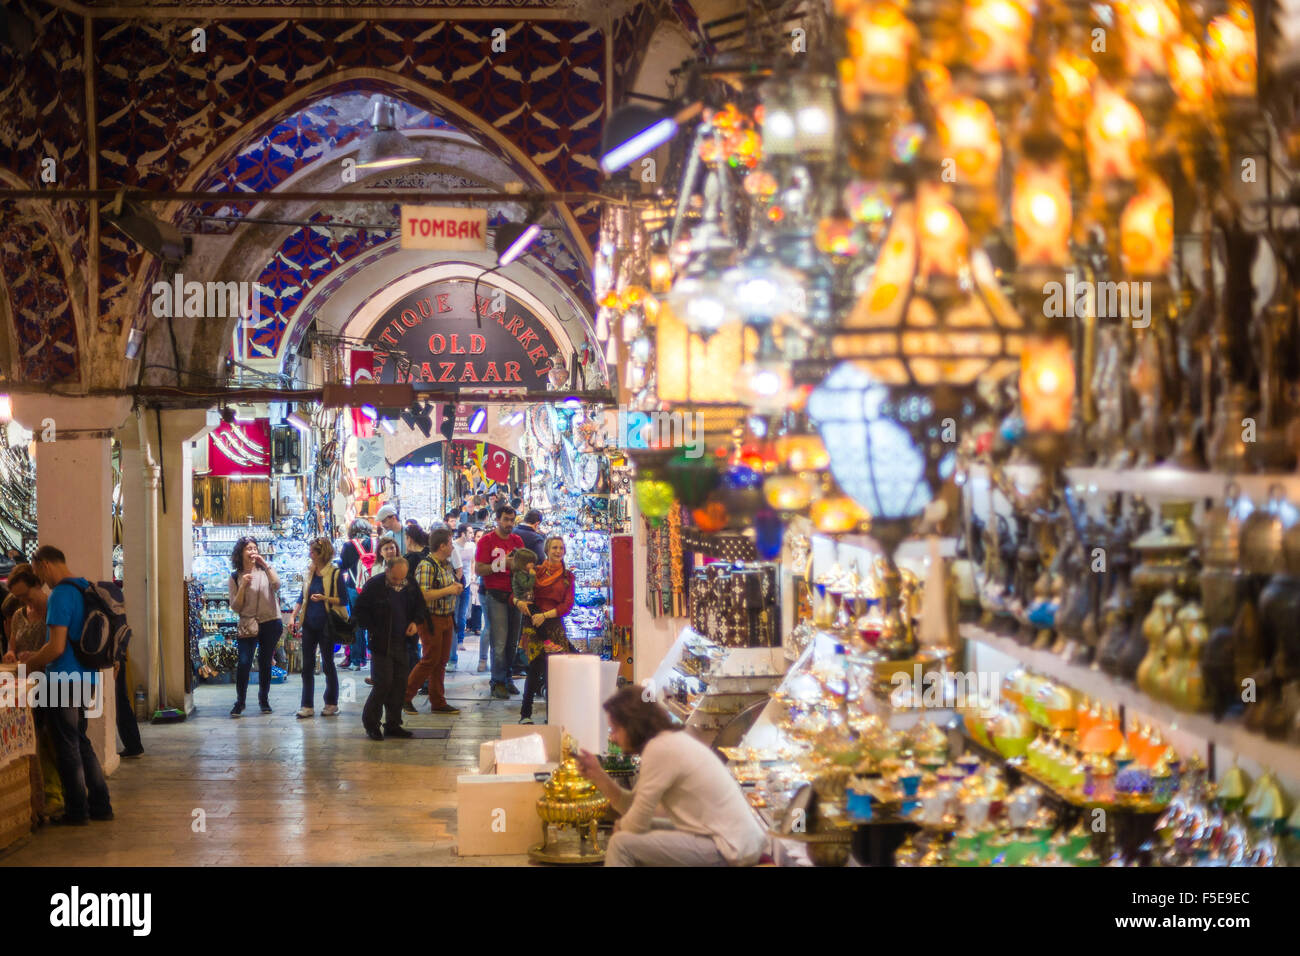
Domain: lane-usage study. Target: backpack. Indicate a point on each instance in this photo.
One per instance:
(105, 632)
(365, 562)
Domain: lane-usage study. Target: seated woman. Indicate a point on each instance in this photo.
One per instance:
(712, 824)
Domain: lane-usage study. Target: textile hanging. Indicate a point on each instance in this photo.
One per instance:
(17, 732)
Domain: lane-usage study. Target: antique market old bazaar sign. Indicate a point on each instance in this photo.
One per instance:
(435, 327)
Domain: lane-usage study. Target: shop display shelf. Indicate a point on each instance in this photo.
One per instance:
(1157, 482)
(1281, 757)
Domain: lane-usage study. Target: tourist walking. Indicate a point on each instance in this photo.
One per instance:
(437, 583)
(553, 594)
(357, 560)
(319, 598)
(492, 562)
(390, 610)
(85, 789)
(255, 597)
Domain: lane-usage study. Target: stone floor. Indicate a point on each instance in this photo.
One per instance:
(275, 790)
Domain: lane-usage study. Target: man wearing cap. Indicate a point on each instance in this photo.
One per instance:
(389, 521)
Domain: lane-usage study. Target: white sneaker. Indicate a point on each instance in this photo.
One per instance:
(305, 712)
(329, 710)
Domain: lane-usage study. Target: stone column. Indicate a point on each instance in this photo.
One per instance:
(158, 492)
(74, 504)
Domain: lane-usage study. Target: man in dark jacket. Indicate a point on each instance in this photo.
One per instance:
(534, 540)
(389, 608)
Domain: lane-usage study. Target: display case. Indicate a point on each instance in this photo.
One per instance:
(705, 685)
(283, 547)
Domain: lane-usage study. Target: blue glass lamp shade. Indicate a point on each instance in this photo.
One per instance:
(874, 459)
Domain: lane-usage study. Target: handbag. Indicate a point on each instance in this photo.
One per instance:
(247, 627)
(339, 627)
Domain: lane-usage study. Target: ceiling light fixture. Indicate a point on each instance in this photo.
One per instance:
(385, 147)
(477, 420)
(159, 238)
(512, 239)
(298, 421)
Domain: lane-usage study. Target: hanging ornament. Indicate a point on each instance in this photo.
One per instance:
(654, 498)
(710, 518)
(768, 534)
(691, 478)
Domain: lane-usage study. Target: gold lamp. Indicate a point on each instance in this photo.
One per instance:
(569, 801)
(929, 315)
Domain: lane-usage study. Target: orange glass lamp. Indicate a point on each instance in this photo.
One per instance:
(690, 370)
(928, 316)
(1115, 135)
(1187, 76)
(802, 452)
(1047, 393)
(882, 47)
(838, 514)
(1147, 231)
(661, 270)
(972, 153)
(1146, 28)
(997, 46)
(1071, 77)
(1231, 59)
(882, 43)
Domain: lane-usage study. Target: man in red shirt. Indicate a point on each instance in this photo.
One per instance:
(492, 563)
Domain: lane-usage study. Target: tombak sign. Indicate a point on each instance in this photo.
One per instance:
(435, 327)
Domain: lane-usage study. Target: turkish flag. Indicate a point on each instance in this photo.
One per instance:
(361, 368)
(496, 463)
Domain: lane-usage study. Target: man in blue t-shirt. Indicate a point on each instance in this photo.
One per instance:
(85, 791)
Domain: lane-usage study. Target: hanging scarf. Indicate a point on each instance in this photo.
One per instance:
(548, 572)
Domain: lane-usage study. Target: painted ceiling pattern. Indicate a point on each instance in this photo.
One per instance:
(165, 113)
(44, 326)
(42, 119)
(543, 92)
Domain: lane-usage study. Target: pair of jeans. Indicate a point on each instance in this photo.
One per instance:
(127, 728)
(313, 638)
(503, 625)
(462, 612)
(388, 671)
(436, 641)
(533, 683)
(662, 848)
(85, 791)
(268, 637)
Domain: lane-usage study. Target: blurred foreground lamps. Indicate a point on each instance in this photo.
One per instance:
(1146, 28)
(691, 370)
(802, 452)
(653, 498)
(968, 137)
(661, 269)
(799, 117)
(1147, 232)
(1116, 145)
(997, 35)
(1046, 394)
(1230, 51)
(930, 315)
(881, 44)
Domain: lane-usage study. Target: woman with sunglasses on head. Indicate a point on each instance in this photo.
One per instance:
(255, 597)
(320, 594)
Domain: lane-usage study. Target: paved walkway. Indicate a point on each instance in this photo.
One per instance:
(275, 790)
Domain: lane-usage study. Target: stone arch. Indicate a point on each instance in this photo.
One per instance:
(410, 92)
(45, 301)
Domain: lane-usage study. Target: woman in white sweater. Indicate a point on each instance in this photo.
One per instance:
(709, 821)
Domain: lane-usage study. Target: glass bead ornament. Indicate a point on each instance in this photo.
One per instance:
(654, 498)
(769, 533)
